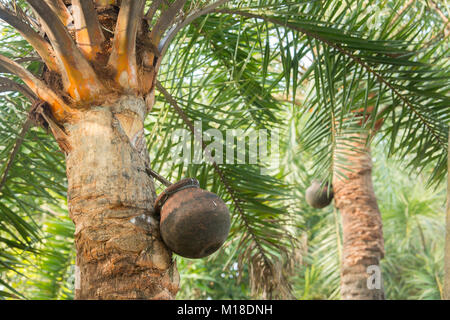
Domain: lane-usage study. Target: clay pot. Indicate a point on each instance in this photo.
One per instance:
(318, 196)
(194, 222)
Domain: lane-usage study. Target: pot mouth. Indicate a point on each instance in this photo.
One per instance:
(172, 189)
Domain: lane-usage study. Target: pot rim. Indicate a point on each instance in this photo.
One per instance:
(172, 189)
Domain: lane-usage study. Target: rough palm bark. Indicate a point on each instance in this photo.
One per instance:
(120, 254)
(363, 244)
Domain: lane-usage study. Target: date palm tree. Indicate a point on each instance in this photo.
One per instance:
(92, 69)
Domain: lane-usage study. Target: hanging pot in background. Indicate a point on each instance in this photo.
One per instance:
(319, 196)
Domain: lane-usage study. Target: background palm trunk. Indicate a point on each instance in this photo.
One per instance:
(120, 254)
(363, 244)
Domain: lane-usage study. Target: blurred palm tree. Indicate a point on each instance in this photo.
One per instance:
(358, 109)
(414, 235)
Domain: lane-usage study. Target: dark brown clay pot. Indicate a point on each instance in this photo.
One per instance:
(194, 222)
(318, 196)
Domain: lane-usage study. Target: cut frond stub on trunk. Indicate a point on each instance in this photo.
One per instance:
(165, 20)
(61, 111)
(123, 55)
(60, 9)
(89, 35)
(79, 78)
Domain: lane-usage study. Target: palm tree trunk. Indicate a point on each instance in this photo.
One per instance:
(120, 254)
(363, 245)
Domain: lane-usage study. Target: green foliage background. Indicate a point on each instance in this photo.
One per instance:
(299, 67)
